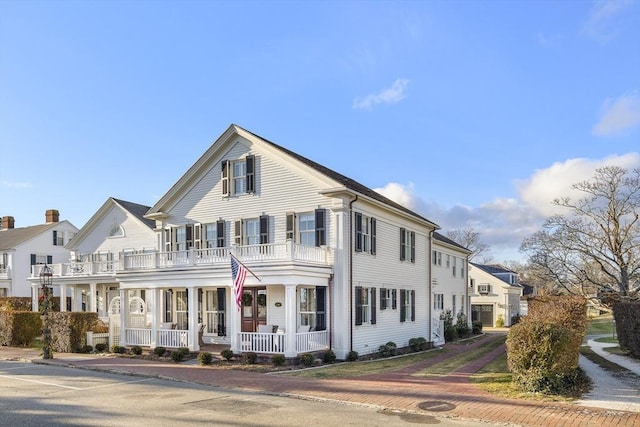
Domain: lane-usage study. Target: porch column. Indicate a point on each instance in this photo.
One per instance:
(234, 319)
(290, 320)
(192, 297)
(93, 298)
(35, 306)
(63, 298)
(153, 306)
(124, 316)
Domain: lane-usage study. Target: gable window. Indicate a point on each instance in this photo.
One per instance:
(388, 299)
(438, 301)
(307, 228)
(238, 176)
(407, 245)
(407, 305)
(365, 305)
(484, 288)
(365, 230)
(58, 238)
(116, 231)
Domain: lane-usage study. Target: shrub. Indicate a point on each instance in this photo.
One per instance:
(328, 357)
(387, 350)
(450, 333)
(85, 349)
(462, 325)
(476, 327)
(159, 351)
(277, 360)
(177, 356)
(352, 356)
(101, 347)
(19, 328)
(227, 354)
(251, 357)
(205, 358)
(417, 344)
(137, 350)
(500, 321)
(118, 349)
(69, 329)
(184, 351)
(307, 359)
(627, 317)
(515, 319)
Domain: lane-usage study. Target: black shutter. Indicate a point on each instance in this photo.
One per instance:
(189, 235)
(321, 312)
(320, 228)
(264, 229)
(225, 177)
(251, 182)
(402, 242)
(413, 305)
(403, 311)
(291, 221)
(383, 300)
(33, 259)
(49, 259)
(220, 233)
(373, 306)
(394, 299)
(358, 305)
(358, 230)
(55, 237)
(413, 246)
(373, 236)
(221, 306)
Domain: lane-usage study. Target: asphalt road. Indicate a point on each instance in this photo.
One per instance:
(46, 395)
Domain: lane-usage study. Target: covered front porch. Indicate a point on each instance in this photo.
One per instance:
(272, 319)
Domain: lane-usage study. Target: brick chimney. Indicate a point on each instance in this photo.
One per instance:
(52, 215)
(7, 222)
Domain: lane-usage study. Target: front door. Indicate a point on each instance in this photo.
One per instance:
(254, 308)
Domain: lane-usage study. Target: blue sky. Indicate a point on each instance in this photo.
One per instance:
(473, 113)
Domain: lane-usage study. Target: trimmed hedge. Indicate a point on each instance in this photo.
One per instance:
(69, 330)
(19, 328)
(15, 304)
(627, 316)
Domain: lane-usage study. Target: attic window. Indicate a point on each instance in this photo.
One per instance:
(116, 231)
(238, 176)
(484, 288)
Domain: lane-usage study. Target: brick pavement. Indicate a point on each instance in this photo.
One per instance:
(399, 389)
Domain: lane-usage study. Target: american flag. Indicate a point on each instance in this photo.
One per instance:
(238, 273)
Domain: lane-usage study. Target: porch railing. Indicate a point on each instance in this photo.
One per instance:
(172, 338)
(262, 342)
(138, 336)
(312, 341)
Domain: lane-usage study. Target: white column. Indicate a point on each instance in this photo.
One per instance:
(192, 296)
(235, 320)
(290, 320)
(341, 325)
(93, 299)
(34, 297)
(153, 307)
(124, 316)
(63, 298)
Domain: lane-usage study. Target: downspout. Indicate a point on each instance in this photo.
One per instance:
(430, 278)
(351, 272)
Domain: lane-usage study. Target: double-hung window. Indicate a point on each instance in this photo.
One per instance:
(210, 236)
(215, 311)
(454, 267)
(387, 299)
(438, 301)
(58, 238)
(311, 308)
(407, 305)
(365, 299)
(253, 231)
(307, 228)
(407, 245)
(238, 176)
(365, 230)
(181, 238)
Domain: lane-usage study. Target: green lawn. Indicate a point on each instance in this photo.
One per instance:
(601, 325)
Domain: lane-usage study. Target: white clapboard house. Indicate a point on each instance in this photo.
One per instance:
(333, 264)
(495, 294)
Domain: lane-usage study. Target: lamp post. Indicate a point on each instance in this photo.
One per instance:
(45, 281)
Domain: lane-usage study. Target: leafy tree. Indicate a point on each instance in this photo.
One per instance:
(470, 239)
(595, 250)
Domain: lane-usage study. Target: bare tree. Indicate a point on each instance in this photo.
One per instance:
(594, 251)
(470, 239)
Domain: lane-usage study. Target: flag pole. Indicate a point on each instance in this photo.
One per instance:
(245, 267)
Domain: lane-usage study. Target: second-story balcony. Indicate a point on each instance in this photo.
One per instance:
(286, 252)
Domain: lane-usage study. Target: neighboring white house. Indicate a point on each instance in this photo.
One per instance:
(449, 283)
(336, 264)
(495, 293)
(87, 276)
(23, 247)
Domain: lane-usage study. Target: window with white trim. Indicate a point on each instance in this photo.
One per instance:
(407, 305)
(210, 235)
(454, 267)
(448, 264)
(365, 299)
(239, 179)
(387, 299)
(407, 245)
(437, 258)
(453, 305)
(238, 176)
(58, 238)
(365, 233)
(182, 321)
(307, 229)
(438, 301)
(252, 231)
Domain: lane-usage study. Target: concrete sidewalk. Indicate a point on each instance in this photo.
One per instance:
(449, 396)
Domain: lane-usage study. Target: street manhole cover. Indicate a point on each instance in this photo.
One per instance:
(436, 406)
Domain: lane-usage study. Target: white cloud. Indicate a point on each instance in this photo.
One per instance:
(602, 23)
(392, 95)
(16, 184)
(618, 115)
(504, 222)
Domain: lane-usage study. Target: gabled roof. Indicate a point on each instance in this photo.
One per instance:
(496, 269)
(138, 211)
(335, 176)
(12, 237)
(448, 241)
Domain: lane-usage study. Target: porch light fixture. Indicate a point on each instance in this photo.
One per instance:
(46, 276)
